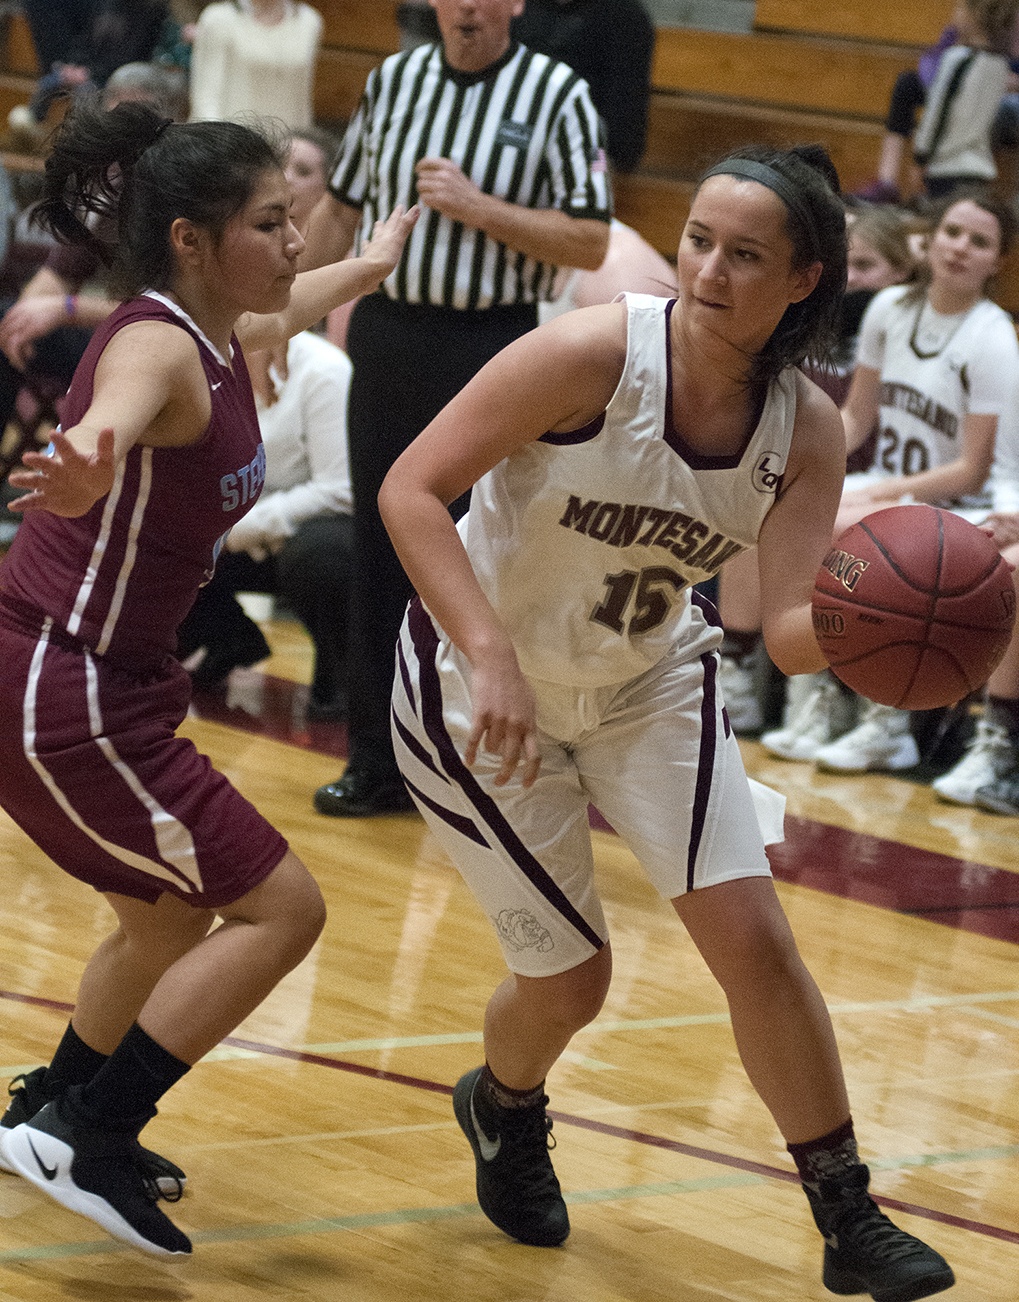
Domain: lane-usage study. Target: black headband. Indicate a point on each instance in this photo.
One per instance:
(775, 181)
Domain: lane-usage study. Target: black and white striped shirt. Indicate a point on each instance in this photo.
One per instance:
(524, 130)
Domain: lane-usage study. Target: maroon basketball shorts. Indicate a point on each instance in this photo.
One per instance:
(92, 770)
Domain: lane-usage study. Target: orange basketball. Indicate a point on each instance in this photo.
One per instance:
(914, 607)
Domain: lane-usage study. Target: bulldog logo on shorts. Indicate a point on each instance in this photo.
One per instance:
(522, 930)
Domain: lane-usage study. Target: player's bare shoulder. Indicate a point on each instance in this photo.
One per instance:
(160, 365)
(596, 333)
(152, 346)
(818, 429)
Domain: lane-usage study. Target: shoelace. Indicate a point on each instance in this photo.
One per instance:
(153, 1190)
(527, 1148)
(871, 1231)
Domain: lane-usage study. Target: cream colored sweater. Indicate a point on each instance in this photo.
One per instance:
(239, 66)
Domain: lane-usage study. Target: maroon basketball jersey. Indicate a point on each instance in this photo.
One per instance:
(121, 577)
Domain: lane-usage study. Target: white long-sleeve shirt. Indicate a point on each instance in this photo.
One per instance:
(307, 470)
(240, 66)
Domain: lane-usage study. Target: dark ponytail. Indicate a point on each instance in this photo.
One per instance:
(137, 172)
(805, 179)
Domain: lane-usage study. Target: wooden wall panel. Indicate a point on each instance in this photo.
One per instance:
(824, 75)
(360, 24)
(18, 50)
(907, 22)
(339, 81)
(687, 133)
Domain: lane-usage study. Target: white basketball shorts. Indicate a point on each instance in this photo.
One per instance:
(654, 755)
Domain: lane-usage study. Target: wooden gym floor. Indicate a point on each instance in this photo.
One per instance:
(323, 1157)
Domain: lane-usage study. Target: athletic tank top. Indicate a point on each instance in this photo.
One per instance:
(120, 578)
(588, 543)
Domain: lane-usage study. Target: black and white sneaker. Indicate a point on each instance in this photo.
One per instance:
(864, 1252)
(95, 1173)
(517, 1187)
(31, 1096)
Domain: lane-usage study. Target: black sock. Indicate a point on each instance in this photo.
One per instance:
(826, 1158)
(494, 1092)
(738, 643)
(124, 1092)
(74, 1063)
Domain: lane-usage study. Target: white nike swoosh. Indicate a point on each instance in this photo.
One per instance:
(489, 1147)
(214, 387)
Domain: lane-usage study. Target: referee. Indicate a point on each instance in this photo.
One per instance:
(504, 151)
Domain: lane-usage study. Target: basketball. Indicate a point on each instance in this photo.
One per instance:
(913, 607)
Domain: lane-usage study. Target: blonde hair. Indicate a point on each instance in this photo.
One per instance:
(885, 230)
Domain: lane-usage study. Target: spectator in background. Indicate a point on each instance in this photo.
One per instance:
(255, 56)
(45, 331)
(309, 158)
(959, 84)
(938, 369)
(610, 43)
(79, 44)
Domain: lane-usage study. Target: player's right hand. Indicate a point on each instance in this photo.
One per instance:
(504, 724)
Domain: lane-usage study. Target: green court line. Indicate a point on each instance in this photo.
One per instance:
(373, 1220)
(988, 1016)
(996, 1153)
(921, 1003)
(420, 1215)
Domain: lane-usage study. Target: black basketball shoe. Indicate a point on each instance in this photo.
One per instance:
(864, 1252)
(517, 1187)
(95, 1173)
(31, 1096)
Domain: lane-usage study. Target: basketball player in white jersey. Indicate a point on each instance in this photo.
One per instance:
(557, 656)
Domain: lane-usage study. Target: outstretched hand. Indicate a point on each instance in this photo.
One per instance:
(388, 238)
(65, 481)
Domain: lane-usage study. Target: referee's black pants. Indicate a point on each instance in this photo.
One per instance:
(409, 361)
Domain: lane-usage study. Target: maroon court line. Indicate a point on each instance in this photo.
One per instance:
(871, 870)
(569, 1119)
(622, 1132)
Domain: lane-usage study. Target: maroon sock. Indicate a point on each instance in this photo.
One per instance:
(503, 1097)
(831, 1155)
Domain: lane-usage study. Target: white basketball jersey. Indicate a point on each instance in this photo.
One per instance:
(588, 543)
(935, 370)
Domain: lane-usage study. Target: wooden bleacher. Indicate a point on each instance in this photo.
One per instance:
(809, 71)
